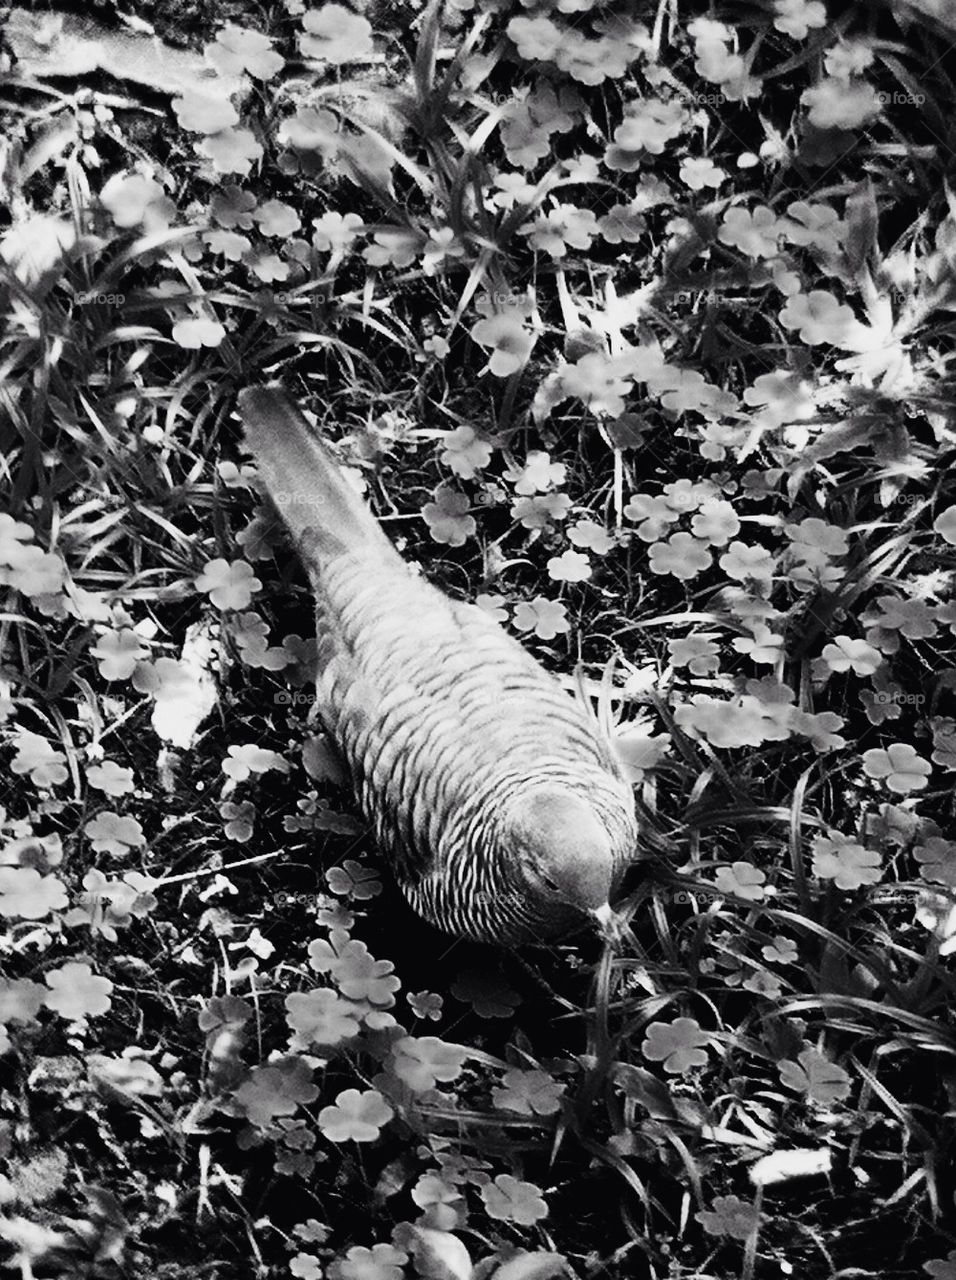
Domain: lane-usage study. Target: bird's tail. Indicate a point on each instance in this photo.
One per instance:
(323, 512)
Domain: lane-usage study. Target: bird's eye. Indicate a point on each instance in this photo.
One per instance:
(552, 884)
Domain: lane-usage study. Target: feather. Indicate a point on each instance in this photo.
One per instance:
(496, 797)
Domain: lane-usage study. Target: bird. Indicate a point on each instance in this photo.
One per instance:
(494, 795)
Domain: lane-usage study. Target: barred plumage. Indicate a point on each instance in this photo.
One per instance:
(499, 803)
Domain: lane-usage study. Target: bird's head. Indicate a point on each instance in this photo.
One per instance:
(566, 852)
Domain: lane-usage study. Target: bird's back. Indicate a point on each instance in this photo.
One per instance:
(442, 716)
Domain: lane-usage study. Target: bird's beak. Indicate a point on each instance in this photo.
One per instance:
(612, 925)
(605, 915)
